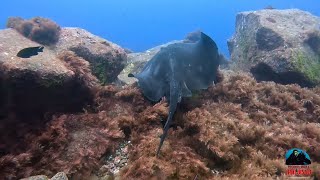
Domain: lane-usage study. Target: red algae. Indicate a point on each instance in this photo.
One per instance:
(238, 128)
(39, 29)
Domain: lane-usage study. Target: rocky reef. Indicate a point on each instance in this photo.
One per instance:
(278, 45)
(106, 59)
(59, 118)
(35, 85)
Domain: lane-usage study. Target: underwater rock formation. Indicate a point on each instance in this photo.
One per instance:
(41, 30)
(58, 176)
(73, 143)
(39, 84)
(278, 45)
(106, 58)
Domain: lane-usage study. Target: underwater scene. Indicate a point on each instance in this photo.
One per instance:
(157, 90)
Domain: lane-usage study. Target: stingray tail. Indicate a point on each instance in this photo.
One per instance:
(175, 98)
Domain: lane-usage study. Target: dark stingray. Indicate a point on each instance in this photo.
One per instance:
(30, 51)
(177, 70)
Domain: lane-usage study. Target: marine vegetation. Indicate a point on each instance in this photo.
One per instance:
(41, 30)
(100, 64)
(177, 70)
(310, 66)
(236, 129)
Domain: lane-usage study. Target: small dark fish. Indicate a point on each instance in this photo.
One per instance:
(30, 51)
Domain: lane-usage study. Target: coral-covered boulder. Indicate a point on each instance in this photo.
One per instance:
(37, 84)
(106, 58)
(136, 62)
(278, 45)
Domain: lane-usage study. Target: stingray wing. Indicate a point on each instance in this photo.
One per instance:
(153, 79)
(202, 65)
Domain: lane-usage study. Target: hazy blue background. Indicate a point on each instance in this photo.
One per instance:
(142, 24)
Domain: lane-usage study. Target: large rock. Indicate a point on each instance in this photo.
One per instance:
(38, 84)
(38, 177)
(136, 62)
(58, 176)
(106, 58)
(278, 45)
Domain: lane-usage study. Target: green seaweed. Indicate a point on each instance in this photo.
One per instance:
(98, 68)
(52, 82)
(309, 66)
(244, 46)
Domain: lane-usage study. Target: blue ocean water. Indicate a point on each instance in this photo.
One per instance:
(142, 24)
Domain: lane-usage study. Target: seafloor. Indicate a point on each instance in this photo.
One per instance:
(238, 128)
